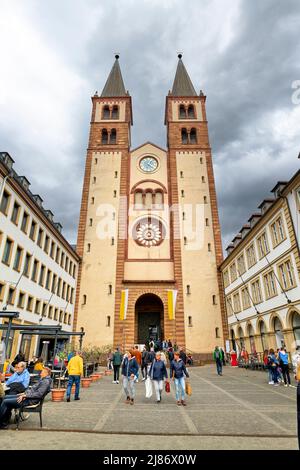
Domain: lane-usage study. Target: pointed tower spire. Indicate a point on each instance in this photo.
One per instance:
(182, 85)
(114, 85)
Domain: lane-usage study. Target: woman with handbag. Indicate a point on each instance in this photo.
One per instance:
(179, 372)
(158, 372)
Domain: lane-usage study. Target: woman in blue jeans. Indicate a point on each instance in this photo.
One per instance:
(178, 374)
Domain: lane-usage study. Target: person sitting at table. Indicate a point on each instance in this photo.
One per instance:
(31, 397)
(19, 381)
(39, 365)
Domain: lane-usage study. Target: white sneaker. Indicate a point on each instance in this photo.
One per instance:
(285, 385)
(276, 385)
(143, 379)
(271, 382)
(114, 382)
(117, 382)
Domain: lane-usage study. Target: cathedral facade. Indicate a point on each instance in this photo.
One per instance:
(149, 234)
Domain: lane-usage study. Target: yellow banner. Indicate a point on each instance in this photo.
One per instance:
(172, 297)
(124, 304)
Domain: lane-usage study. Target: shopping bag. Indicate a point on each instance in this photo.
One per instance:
(148, 386)
(188, 388)
(167, 387)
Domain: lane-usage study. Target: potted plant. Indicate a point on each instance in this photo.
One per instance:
(59, 393)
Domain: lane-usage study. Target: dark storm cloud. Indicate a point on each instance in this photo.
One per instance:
(244, 55)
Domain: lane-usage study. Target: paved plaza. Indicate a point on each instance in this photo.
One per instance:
(236, 411)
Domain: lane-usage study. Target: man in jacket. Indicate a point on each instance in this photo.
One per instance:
(158, 372)
(178, 373)
(75, 371)
(129, 370)
(19, 381)
(31, 397)
(117, 361)
(218, 358)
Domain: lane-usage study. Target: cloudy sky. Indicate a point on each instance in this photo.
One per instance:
(244, 54)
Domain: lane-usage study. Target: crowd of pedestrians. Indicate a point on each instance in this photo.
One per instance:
(151, 367)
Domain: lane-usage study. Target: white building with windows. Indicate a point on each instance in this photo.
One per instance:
(261, 274)
(38, 267)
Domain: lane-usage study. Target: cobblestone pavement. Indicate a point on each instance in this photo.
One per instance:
(236, 411)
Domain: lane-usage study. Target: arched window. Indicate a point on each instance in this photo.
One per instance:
(113, 137)
(159, 200)
(115, 112)
(184, 136)
(193, 136)
(182, 113)
(148, 200)
(106, 112)
(104, 137)
(191, 111)
(138, 200)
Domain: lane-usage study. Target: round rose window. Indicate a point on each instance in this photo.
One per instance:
(148, 232)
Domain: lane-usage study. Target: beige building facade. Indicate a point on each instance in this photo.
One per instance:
(38, 267)
(149, 229)
(261, 274)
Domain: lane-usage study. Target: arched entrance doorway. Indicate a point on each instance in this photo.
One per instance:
(149, 319)
(251, 339)
(263, 330)
(296, 327)
(278, 333)
(241, 337)
(233, 340)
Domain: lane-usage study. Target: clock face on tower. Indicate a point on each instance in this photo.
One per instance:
(148, 164)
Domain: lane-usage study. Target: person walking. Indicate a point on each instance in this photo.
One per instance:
(273, 364)
(138, 356)
(158, 372)
(145, 359)
(109, 360)
(129, 371)
(75, 371)
(178, 374)
(116, 361)
(284, 365)
(182, 355)
(218, 358)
